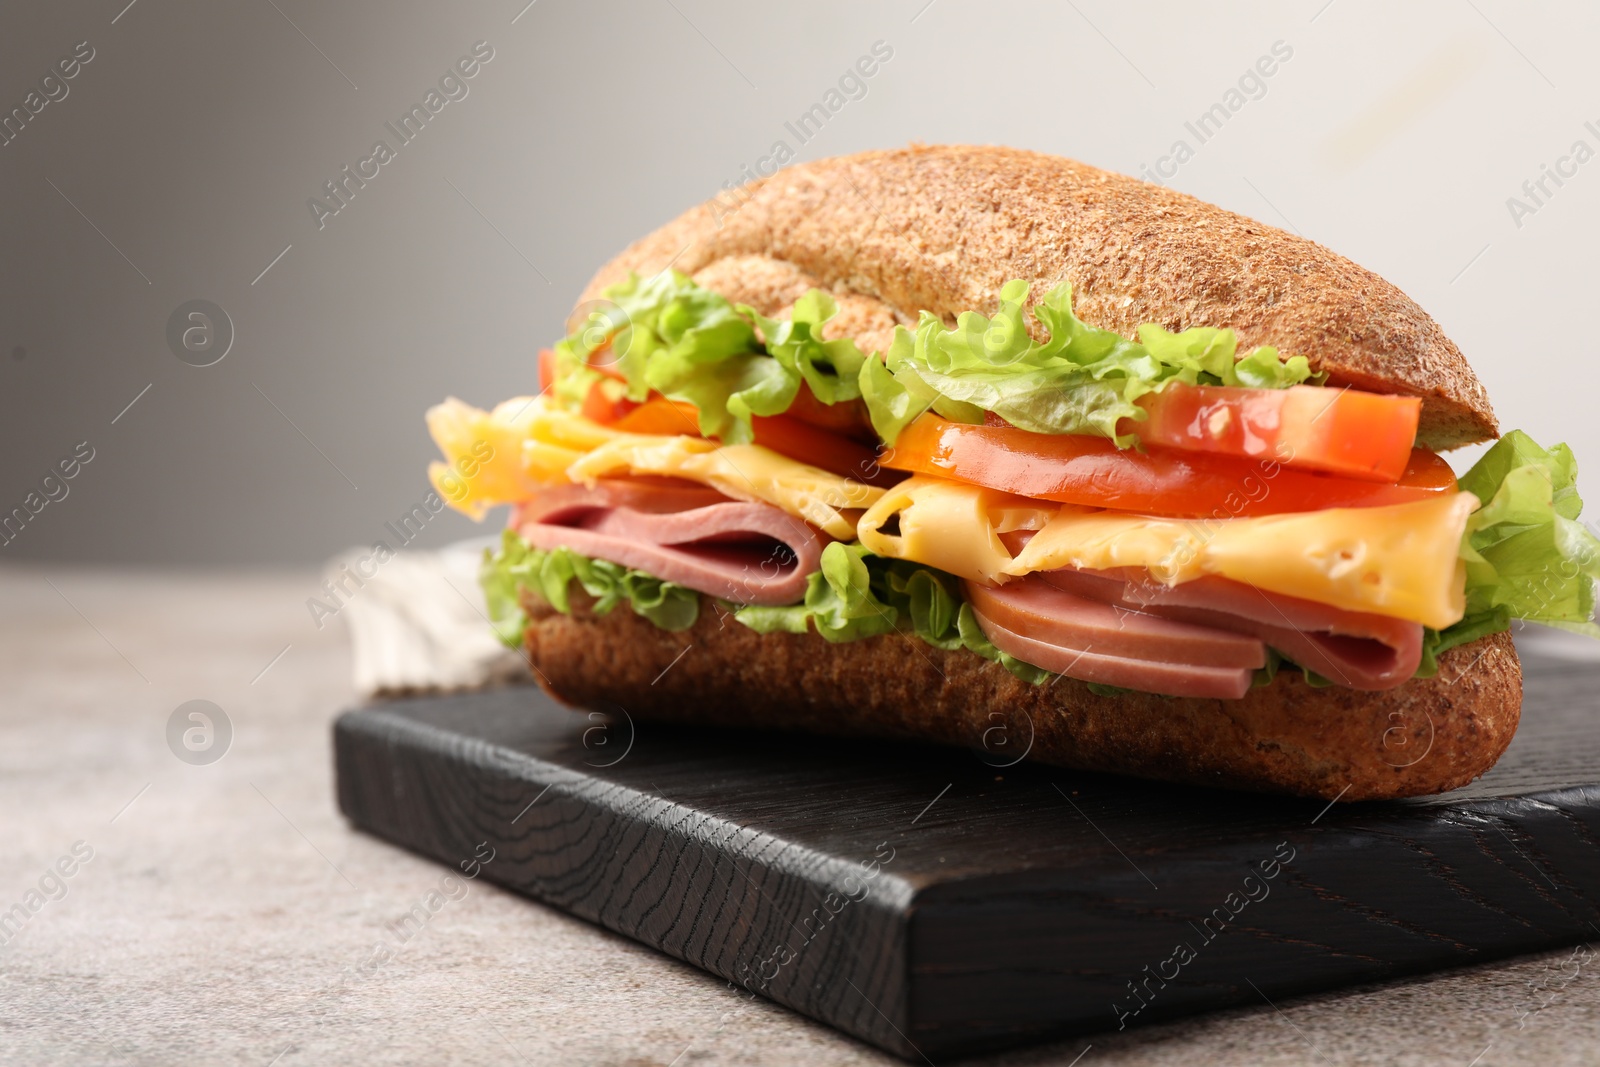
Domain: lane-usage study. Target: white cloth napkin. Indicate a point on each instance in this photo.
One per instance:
(420, 625)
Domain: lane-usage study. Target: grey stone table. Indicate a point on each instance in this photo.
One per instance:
(223, 913)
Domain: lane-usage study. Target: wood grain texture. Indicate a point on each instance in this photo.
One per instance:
(1007, 905)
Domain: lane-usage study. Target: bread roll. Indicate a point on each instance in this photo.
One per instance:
(1429, 735)
(940, 229)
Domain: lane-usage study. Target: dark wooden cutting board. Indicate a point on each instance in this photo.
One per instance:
(933, 903)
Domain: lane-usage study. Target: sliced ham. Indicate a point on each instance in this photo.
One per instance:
(1094, 641)
(1357, 650)
(749, 553)
(1354, 649)
(1042, 610)
(642, 493)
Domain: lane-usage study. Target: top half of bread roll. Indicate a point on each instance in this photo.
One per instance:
(942, 228)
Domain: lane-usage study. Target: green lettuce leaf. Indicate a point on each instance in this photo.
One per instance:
(841, 602)
(674, 337)
(669, 335)
(573, 377)
(1081, 379)
(857, 594)
(518, 565)
(1470, 628)
(924, 597)
(500, 576)
(891, 404)
(1527, 556)
(974, 640)
(1526, 553)
(726, 393)
(830, 368)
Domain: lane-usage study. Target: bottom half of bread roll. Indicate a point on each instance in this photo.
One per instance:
(1427, 736)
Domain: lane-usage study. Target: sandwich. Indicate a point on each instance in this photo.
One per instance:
(989, 448)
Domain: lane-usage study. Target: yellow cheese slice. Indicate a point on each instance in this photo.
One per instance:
(1401, 560)
(950, 525)
(557, 426)
(744, 472)
(505, 456)
(483, 453)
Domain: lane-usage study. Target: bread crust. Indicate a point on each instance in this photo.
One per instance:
(1427, 736)
(941, 228)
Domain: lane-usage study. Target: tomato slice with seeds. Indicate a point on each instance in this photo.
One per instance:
(1340, 431)
(1093, 472)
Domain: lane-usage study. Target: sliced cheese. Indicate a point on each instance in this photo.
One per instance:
(547, 464)
(744, 472)
(483, 453)
(1401, 561)
(953, 526)
(504, 456)
(557, 426)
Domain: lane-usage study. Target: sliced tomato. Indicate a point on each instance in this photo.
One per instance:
(1093, 472)
(658, 415)
(547, 368)
(600, 360)
(604, 360)
(599, 407)
(848, 418)
(1341, 431)
(833, 453)
(781, 433)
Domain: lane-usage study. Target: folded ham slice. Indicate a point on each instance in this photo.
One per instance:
(641, 493)
(680, 532)
(1094, 641)
(1357, 650)
(1354, 649)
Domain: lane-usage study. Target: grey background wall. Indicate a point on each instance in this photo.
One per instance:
(180, 160)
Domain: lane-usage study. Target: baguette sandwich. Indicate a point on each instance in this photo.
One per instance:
(995, 449)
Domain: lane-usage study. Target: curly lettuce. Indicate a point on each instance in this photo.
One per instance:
(668, 335)
(517, 565)
(671, 336)
(1527, 557)
(830, 369)
(1080, 380)
(844, 601)
(1526, 552)
(856, 594)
